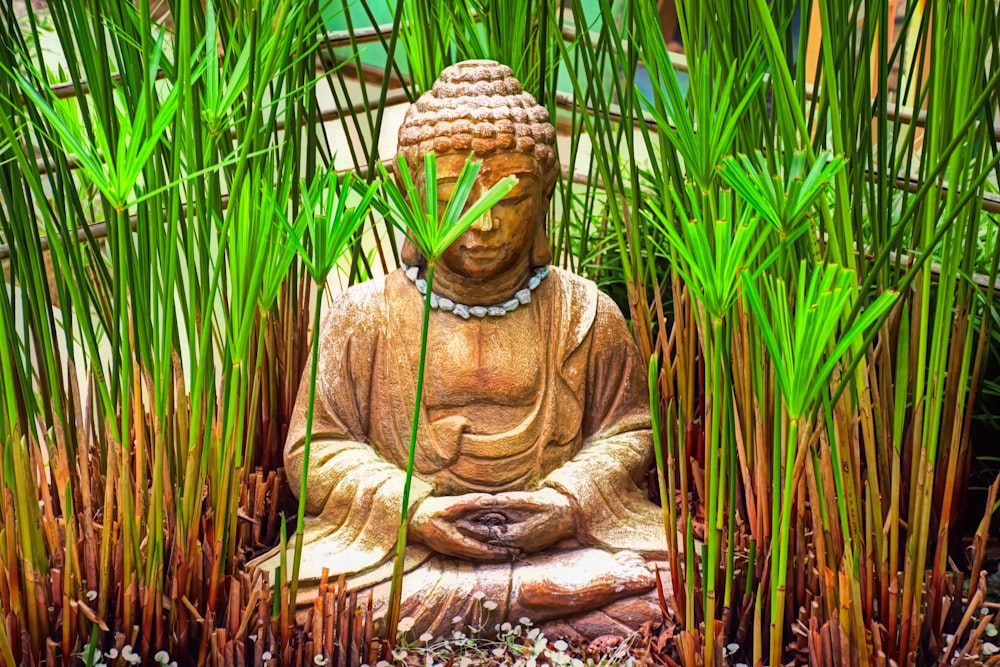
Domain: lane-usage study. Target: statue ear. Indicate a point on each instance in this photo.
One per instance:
(540, 253)
(410, 255)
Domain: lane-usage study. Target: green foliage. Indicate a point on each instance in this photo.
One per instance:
(416, 214)
(787, 202)
(437, 34)
(331, 225)
(798, 341)
(755, 138)
(113, 164)
(709, 254)
(150, 330)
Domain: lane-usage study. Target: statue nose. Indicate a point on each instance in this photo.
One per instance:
(484, 223)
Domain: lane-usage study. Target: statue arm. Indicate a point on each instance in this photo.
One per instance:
(356, 491)
(604, 477)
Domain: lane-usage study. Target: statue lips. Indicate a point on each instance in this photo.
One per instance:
(480, 244)
(479, 253)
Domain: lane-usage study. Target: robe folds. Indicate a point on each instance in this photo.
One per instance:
(583, 430)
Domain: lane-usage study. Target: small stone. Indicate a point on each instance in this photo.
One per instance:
(435, 301)
(412, 272)
(523, 296)
(421, 285)
(478, 311)
(534, 282)
(446, 304)
(496, 311)
(461, 310)
(511, 306)
(543, 271)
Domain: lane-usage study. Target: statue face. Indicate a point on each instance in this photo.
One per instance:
(493, 245)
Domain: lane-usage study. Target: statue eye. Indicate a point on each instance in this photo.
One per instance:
(516, 199)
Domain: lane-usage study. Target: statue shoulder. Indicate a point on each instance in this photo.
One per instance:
(582, 291)
(360, 306)
(592, 310)
(586, 298)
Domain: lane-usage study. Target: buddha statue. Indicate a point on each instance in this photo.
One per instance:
(534, 433)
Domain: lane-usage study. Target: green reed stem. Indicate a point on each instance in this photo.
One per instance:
(779, 570)
(666, 501)
(717, 443)
(303, 490)
(396, 586)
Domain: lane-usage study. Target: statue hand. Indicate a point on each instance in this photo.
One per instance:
(522, 521)
(436, 524)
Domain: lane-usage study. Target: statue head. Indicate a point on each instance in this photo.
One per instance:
(477, 107)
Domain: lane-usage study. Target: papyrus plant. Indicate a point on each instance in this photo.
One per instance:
(902, 190)
(802, 334)
(430, 230)
(712, 254)
(323, 232)
(144, 256)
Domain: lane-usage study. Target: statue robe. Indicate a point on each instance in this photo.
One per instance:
(586, 432)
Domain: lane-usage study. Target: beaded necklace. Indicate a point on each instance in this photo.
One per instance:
(438, 302)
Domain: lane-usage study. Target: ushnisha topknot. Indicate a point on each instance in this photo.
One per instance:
(478, 106)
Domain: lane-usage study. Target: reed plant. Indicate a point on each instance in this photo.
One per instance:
(331, 225)
(815, 229)
(431, 230)
(514, 32)
(154, 321)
